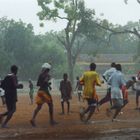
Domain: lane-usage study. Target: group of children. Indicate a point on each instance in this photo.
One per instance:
(117, 92)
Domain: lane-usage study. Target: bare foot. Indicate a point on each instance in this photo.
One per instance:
(108, 112)
(53, 123)
(33, 123)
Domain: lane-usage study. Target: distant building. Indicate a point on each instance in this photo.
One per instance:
(106, 58)
(120, 58)
(103, 61)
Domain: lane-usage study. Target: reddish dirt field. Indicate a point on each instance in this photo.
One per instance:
(70, 126)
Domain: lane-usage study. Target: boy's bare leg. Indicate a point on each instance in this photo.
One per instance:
(32, 121)
(117, 111)
(68, 107)
(91, 111)
(62, 106)
(52, 121)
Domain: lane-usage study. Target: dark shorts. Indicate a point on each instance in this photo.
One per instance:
(92, 102)
(138, 92)
(118, 103)
(65, 99)
(11, 105)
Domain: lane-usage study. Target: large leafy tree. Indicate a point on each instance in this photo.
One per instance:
(77, 18)
(18, 43)
(6, 58)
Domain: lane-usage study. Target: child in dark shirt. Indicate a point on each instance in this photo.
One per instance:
(10, 85)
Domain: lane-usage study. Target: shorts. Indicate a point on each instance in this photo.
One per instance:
(138, 92)
(116, 93)
(79, 91)
(11, 105)
(118, 103)
(92, 102)
(65, 99)
(43, 97)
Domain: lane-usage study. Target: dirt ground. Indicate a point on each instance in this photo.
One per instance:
(70, 126)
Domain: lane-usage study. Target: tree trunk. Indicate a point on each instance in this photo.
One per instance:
(70, 67)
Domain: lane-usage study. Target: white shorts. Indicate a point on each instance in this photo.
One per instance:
(1, 92)
(116, 93)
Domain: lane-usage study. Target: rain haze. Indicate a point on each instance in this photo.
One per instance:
(58, 97)
(116, 11)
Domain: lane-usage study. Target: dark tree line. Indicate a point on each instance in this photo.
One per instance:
(19, 45)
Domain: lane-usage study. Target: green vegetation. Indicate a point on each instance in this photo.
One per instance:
(83, 34)
(19, 45)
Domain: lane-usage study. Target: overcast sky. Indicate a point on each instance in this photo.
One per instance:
(116, 11)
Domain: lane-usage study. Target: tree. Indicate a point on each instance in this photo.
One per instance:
(126, 1)
(18, 42)
(50, 50)
(133, 29)
(19, 45)
(75, 14)
(137, 33)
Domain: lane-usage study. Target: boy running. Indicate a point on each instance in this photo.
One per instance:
(43, 94)
(10, 85)
(106, 77)
(89, 80)
(117, 82)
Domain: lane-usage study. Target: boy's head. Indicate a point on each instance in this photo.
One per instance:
(113, 64)
(118, 67)
(129, 84)
(134, 78)
(14, 69)
(46, 67)
(92, 66)
(65, 76)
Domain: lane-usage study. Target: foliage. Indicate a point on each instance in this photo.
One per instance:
(19, 45)
(76, 16)
(83, 34)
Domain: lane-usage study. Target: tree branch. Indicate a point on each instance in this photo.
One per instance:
(127, 1)
(67, 33)
(113, 32)
(138, 1)
(135, 32)
(62, 17)
(62, 41)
